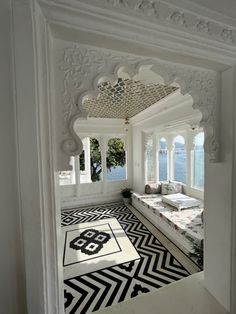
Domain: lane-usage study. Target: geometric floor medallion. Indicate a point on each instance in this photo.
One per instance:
(110, 256)
(95, 245)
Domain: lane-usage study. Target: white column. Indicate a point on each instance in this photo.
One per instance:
(141, 164)
(189, 152)
(145, 139)
(127, 158)
(103, 149)
(77, 176)
(154, 154)
(157, 140)
(86, 143)
(170, 158)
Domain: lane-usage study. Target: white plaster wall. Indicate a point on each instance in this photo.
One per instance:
(218, 204)
(35, 147)
(11, 275)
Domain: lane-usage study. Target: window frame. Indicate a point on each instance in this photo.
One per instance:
(123, 138)
(173, 157)
(167, 157)
(193, 186)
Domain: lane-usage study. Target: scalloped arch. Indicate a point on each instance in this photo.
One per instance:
(132, 71)
(104, 77)
(204, 102)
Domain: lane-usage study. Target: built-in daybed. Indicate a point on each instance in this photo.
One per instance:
(181, 225)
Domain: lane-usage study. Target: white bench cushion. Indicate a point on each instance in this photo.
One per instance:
(180, 201)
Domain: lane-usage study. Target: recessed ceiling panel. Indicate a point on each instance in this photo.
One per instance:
(125, 99)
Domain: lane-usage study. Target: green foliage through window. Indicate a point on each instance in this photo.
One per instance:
(116, 160)
(115, 157)
(95, 160)
(115, 153)
(81, 161)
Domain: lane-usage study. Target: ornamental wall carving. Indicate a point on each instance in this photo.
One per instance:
(82, 67)
(163, 13)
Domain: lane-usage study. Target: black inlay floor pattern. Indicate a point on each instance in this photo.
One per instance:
(99, 289)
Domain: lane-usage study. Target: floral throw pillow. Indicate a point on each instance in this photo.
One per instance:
(178, 186)
(170, 188)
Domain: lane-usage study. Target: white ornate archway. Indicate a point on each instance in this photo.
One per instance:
(204, 38)
(84, 68)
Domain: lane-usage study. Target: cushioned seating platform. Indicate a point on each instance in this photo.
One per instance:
(181, 201)
(184, 226)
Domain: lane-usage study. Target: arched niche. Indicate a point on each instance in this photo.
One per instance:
(201, 85)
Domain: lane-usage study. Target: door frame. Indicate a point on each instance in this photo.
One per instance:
(32, 32)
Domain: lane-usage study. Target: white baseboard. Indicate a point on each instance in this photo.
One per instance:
(73, 202)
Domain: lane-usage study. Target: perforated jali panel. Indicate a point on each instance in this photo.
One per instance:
(125, 98)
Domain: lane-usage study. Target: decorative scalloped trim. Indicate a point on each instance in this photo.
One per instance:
(173, 15)
(83, 67)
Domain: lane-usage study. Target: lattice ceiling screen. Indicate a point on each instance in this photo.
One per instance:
(125, 98)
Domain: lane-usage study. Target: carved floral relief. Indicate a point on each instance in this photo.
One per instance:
(177, 17)
(148, 8)
(81, 65)
(203, 27)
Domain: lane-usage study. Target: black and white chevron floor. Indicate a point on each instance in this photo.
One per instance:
(105, 287)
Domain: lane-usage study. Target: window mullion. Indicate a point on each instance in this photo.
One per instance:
(77, 176)
(170, 158)
(157, 149)
(154, 154)
(189, 148)
(104, 148)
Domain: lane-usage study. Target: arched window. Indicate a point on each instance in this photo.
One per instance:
(90, 161)
(116, 160)
(179, 159)
(163, 159)
(198, 160)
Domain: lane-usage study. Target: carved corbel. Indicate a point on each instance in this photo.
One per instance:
(211, 142)
(73, 146)
(210, 127)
